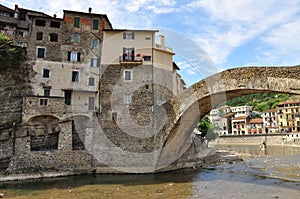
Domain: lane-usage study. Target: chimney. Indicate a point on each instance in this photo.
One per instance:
(161, 40)
(16, 6)
(90, 10)
(54, 15)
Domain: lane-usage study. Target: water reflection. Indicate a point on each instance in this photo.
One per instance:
(271, 173)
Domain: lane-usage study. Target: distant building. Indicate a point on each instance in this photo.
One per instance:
(242, 111)
(240, 125)
(289, 116)
(218, 117)
(270, 123)
(255, 126)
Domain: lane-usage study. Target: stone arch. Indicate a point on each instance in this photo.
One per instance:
(44, 132)
(186, 109)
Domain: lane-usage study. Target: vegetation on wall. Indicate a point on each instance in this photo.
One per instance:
(10, 56)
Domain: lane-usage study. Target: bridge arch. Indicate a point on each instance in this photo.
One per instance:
(185, 110)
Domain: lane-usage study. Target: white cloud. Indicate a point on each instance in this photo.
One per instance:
(283, 43)
(232, 24)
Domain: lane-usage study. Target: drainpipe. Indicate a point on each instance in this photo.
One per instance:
(13, 137)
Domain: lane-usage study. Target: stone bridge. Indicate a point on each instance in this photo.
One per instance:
(185, 110)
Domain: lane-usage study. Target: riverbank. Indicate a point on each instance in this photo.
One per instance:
(272, 173)
(207, 158)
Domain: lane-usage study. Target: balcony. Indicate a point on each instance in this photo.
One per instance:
(125, 59)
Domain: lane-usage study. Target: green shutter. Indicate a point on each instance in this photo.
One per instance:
(41, 53)
(95, 24)
(76, 22)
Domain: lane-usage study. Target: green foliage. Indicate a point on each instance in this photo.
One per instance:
(259, 101)
(10, 56)
(204, 126)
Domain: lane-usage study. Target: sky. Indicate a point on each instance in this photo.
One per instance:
(208, 36)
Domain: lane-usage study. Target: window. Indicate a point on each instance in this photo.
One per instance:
(94, 62)
(43, 102)
(53, 37)
(147, 58)
(68, 97)
(40, 22)
(39, 36)
(46, 92)
(22, 16)
(74, 56)
(127, 75)
(128, 35)
(128, 54)
(76, 37)
(40, 52)
(114, 116)
(76, 22)
(46, 73)
(91, 105)
(147, 38)
(91, 81)
(127, 98)
(95, 24)
(94, 43)
(75, 76)
(55, 24)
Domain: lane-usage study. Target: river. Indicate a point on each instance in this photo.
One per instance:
(271, 173)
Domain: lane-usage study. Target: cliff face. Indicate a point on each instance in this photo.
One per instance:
(14, 84)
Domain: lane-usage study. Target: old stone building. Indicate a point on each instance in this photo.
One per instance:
(86, 79)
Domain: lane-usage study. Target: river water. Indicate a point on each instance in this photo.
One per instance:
(271, 173)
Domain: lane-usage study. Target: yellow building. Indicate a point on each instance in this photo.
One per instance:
(289, 116)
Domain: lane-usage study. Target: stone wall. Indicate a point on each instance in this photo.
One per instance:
(275, 139)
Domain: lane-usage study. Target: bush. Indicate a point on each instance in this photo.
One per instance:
(10, 56)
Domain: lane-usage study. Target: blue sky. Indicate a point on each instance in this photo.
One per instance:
(207, 36)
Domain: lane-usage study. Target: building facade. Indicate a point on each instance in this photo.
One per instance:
(289, 116)
(255, 126)
(270, 121)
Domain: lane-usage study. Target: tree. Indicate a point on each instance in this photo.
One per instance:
(207, 130)
(10, 56)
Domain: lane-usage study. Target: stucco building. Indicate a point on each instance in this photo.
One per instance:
(289, 116)
(270, 121)
(255, 126)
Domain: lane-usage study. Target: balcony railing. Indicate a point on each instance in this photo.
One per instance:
(132, 58)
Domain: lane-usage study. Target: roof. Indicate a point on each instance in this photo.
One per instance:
(289, 102)
(256, 121)
(175, 66)
(33, 12)
(240, 118)
(6, 9)
(229, 115)
(270, 110)
(135, 30)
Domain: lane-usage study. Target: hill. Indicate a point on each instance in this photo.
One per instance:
(260, 101)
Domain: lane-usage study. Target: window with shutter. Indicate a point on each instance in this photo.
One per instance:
(76, 22)
(41, 53)
(95, 24)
